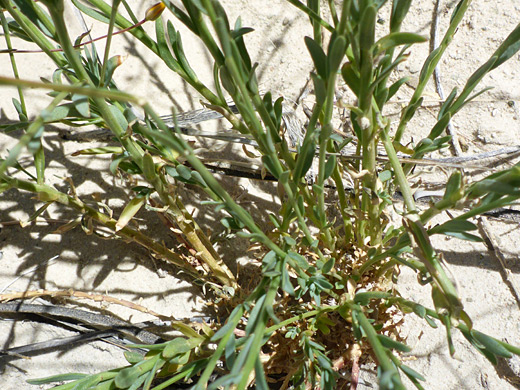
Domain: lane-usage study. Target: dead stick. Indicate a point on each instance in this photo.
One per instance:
(79, 295)
(494, 250)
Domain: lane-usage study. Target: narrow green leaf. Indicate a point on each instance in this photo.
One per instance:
(454, 225)
(298, 259)
(137, 384)
(395, 39)
(119, 117)
(269, 260)
(491, 344)
(420, 310)
(389, 342)
(260, 381)
(57, 378)
(318, 57)
(337, 49)
(162, 46)
(127, 376)
(426, 145)
(356, 329)
(199, 6)
(508, 48)
(392, 90)
(399, 10)
(410, 110)
(149, 167)
(230, 323)
(289, 240)
(230, 353)
(320, 88)
(94, 14)
(112, 64)
(440, 126)
(133, 357)
(431, 322)
(101, 150)
(286, 282)
(182, 16)
(179, 346)
(330, 164)
(180, 359)
(184, 171)
(351, 77)
(367, 28)
(57, 114)
(304, 160)
(479, 347)
(447, 103)
(232, 223)
(87, 383)
(257, 313)
(271, 167)
(412, 373)
(363, 298)
(274, 220)
(328, 265)
(130, 211)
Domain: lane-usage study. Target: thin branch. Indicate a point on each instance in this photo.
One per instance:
(490, 241)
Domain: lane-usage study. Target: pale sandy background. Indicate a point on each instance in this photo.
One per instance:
(87, 263)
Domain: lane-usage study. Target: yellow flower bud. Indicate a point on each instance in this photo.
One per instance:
(154, 12)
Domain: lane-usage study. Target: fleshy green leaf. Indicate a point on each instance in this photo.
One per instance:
(389, 342)
(318, 57)
(491, 344)
(179, 346)
(363, 298)
(130, 210)
(396, 39)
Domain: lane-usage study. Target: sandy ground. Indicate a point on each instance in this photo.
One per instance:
(88, 263)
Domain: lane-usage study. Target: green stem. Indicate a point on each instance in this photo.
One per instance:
(34, 33)
(369, 199)
(113, 14)
(343, 205)
(179, 145)
(258, 333)
(379, 351)
(194, 234)
(430, 65)
(313, 15)
(299, 317)
(400, 176)
(316, 26)
(7, 37)
(203, 380)
(75, 89)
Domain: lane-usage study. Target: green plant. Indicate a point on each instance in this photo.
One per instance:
(318, 261)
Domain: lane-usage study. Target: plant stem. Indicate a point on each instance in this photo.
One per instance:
(400, 176)
(115, 5)
(201, 244)
(7, 37)
(48, 194)
(379, 351)
(430, 65)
